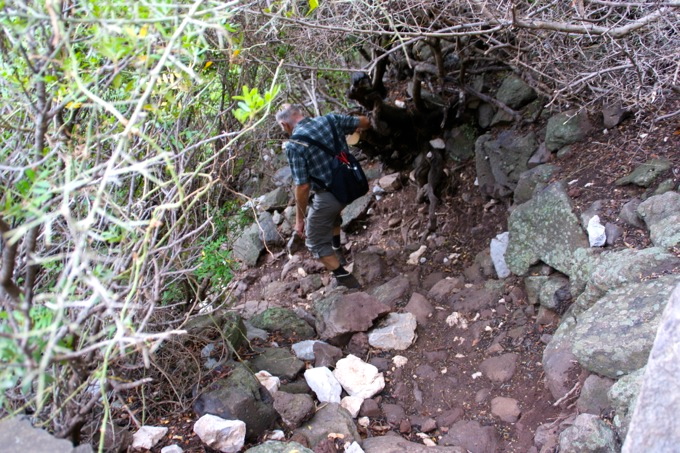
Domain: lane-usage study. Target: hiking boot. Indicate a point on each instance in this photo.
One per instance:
(341, 256)
(348, 281)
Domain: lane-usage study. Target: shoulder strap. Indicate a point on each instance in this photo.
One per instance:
(311, 141)
(335, 135)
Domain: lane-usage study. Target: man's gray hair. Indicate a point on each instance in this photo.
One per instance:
(288, 111)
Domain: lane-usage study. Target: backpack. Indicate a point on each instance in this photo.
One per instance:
(348, 181)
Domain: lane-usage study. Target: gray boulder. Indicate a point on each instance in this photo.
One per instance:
(501, 161)
(392, 292)
(340, 315)
(530, 180)
(445, 288)
(664, 186)
(655, 425)
(613, 114)
(615, 335)
(248, 246)
(661, 213)
(555, 293)
(268, 232)
(293, 408)
(19, 436)
(396, 331)
(326, 355)
(472, 436)
(274, 446)
(331, 418)
(541, 156)
(623, 267)
(630, 215)
(276, 319)
(283, 177)
(533, 285)
(515, 93)
(588, 434)
(622, 398)
(594, 397)
(218, 325)
(460, 143)
(304, 350)
(279, 362)
(559, 362)
(420, 307)
(645, 174)
(356, 210)
(485, 115)
(368, 266)
(233, 329)
(393, 443)
(566, 128)
(239, 397)
(544, 229)
(276, 199)
(501, 368)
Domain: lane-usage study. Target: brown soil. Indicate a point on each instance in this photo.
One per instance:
(440, 374)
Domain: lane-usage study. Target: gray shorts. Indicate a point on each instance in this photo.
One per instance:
(322, 216)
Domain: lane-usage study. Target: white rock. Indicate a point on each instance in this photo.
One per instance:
(277, 434)
(358, 378)
(352, 404)
(148, 436)
(415, 256)
(172, 449)
(390, 183)
(364, 422)
(354, 447)
(455, 319)
(399, 361)
(277, 218)
(396, 331)
(271, 383)
(438, 143)
(499, 245)
(324, 384)
(596, 234)
(227, 436)
(304, 350)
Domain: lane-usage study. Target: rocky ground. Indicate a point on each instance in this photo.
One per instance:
(441, 379)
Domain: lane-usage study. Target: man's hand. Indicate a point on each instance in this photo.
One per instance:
(301, 198)
(300, 227)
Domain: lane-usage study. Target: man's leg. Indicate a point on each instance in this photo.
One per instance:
(337, 246)
(323, 222)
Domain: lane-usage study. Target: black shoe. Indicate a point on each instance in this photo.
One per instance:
(348, 281)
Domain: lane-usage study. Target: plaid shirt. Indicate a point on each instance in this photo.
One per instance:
(309, 163)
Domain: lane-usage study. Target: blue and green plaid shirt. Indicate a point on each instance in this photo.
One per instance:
(307, 162)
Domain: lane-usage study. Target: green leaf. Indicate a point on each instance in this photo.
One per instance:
(313, 4)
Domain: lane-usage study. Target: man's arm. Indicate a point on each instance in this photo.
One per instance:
(301, 200)
(364, 123)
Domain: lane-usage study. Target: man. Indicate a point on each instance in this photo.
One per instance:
(311, 169)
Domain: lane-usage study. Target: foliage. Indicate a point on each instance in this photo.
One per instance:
(115, 135)
(216, 262)
(251, 102)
